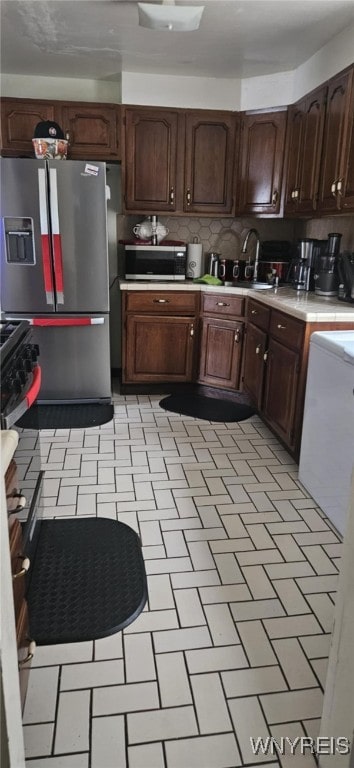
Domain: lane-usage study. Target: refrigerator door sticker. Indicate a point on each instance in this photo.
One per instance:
(91, 170)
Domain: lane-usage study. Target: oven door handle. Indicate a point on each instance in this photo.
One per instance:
(28, 400)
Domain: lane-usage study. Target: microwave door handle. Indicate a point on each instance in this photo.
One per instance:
(26, 402)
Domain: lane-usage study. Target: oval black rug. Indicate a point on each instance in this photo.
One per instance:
(87, 581)
(208, 408)
(66, 416)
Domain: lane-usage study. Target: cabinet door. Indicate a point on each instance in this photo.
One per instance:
(19, 118)
(92, 130)
(345, 189)
(262, 159)
(305, 135)
(281, 385)
(150, 159)
(209, 162)
(159, 348)
(253, 363)
(336, 142)
(220, 352)
(314, 111)
(296, 125)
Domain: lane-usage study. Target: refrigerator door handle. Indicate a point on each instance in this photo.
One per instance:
(60, 321)
(56, 236)
(43, 218)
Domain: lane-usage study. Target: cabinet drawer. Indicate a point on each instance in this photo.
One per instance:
(258, 314)
(217, 304)
(286, 329)
(162, 302)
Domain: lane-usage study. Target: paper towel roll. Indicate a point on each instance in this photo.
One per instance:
(194, 260)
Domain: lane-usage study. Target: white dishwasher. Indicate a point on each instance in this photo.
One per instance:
(327, 444)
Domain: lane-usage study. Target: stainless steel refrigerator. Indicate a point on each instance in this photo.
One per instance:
(54, 271)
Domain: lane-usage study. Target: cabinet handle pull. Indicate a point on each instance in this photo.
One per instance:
(265, 356)
(258, 349)
(188, 197)
(334, 187)
(161, 301)
(254, 312)
(192, 330)
(172, 195)
(238, 336)
(222, 304)
(281, 327)
(67, 136)
(25, 567)
(30, 654)
(275, 197)
(339, 186)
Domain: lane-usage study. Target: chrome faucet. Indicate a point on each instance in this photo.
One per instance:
(244, 250)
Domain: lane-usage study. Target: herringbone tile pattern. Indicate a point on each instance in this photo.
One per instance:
(242, 569)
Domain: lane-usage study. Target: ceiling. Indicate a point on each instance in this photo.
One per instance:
(98, 39)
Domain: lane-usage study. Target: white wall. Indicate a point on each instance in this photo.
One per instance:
(332, 58)
(171, 91)
(196, 92)
(66, 88)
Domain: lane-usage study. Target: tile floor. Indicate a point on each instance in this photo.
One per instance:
(242, 569)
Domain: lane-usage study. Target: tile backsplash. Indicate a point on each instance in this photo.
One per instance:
(226, 235)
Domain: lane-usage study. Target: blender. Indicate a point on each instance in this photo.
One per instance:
(326, 276)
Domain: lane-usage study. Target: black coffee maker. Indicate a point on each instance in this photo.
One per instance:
(326, 275)
(303, 267)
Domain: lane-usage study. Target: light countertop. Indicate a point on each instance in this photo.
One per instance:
(305, 306)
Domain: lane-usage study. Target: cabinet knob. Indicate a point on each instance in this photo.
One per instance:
(238, 336)
(258, 349)
(67, 136)
(339, 186)
(25, 568)
(265, 356)
(275, 196)
(160, 301)
(254, 312)
(334, 187)
(172, 195)
(281, 327)
(31, 650)
(191, 332)
(188, 197)
(222, 304)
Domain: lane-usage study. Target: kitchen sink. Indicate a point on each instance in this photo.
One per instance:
(256, 286)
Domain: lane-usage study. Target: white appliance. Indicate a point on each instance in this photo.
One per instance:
(327, 445)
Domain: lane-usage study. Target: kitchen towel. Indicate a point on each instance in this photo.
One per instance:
(194, 260)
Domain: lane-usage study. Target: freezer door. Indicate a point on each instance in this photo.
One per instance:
(26, 272)
(79, 235)
(74, 357)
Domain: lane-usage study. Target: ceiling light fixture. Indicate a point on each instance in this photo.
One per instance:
(170, 16)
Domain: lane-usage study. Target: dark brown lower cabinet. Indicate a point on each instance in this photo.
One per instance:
(253, 366)
(281, 389)
(159, 348)
(220, 352)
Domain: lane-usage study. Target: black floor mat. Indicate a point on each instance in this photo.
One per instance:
(208, 408)
(88, 580)
(81, 416)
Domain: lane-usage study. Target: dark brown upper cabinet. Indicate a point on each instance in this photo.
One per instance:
(18, 121)
(262, 146)
(209, 162)
(179, 160)
(150, 159)
(304, 145)
(93, 130)
(336, 191)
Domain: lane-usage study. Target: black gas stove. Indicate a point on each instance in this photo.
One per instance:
(20, 372)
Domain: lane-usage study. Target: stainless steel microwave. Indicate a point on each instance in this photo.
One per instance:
(155, 262)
